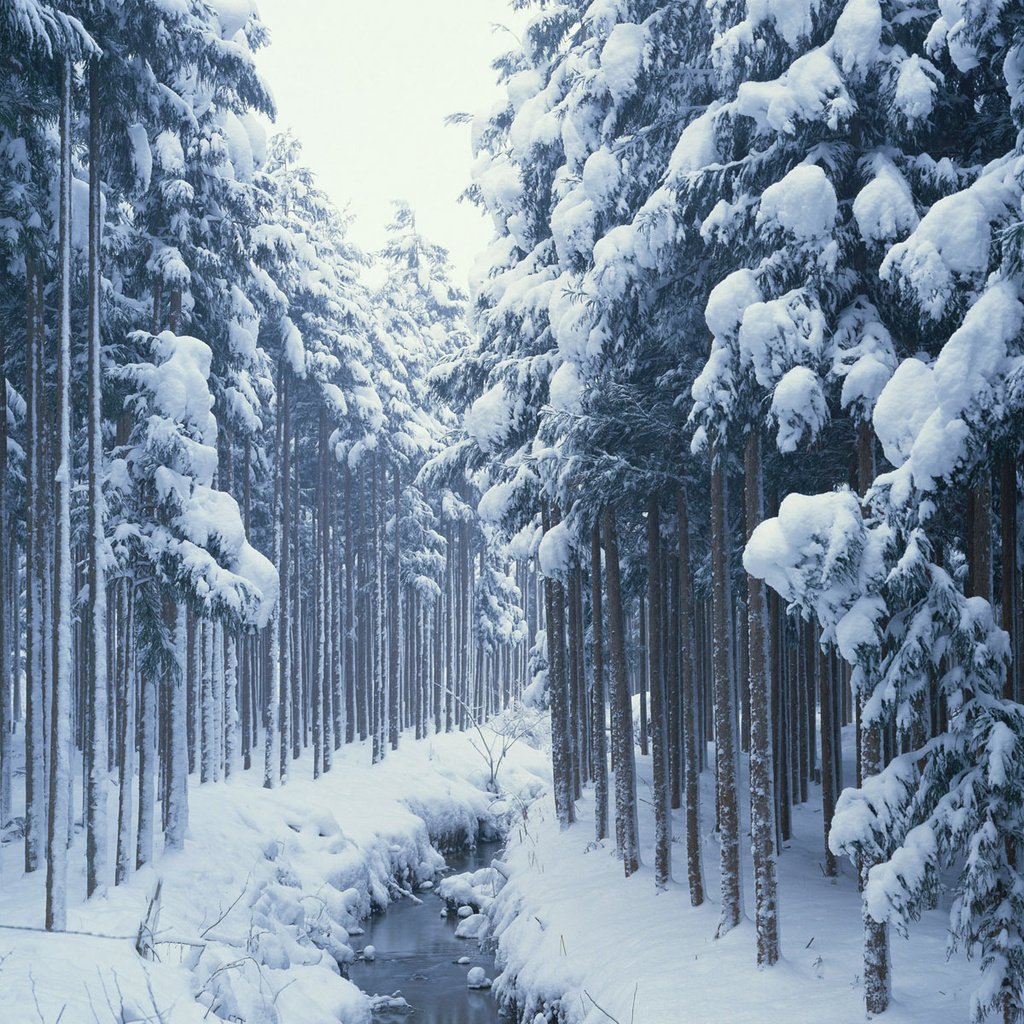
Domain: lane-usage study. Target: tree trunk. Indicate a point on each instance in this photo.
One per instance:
(8, 572)
(877, 968)
(762, 797)
(658, 706)
(60, 725)
(36, 795)
(126, 742)
(176, 620)
(724, 699)
(395, 638)
(275, 667)
(598, 701)
(689, 709)
(626, 825)
(561, 755)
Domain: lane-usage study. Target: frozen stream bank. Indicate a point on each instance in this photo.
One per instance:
(257, 917)
(416, 953)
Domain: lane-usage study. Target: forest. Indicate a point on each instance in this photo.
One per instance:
(706, 485)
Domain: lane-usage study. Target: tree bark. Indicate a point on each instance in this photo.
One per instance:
(622, 712)
(690, 709)
(561, 755)
(60, 725)
(598, 701)
(877, 967)
(658, 706)
(724, 699)
(762, 797)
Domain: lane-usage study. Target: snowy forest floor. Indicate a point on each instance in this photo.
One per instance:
(574, 934)
(271, 886)
(264, 899)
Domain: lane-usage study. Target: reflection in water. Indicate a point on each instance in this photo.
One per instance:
(416, 954)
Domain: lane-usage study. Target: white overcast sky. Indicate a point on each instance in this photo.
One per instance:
(367, 85)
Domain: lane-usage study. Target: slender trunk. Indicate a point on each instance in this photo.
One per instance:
(598, 701)
(36, 796)
(147, 764)
(877, 966)
(645, 747)
(690, 709)
(395, 637)
(298, 619)
(622, 711)
(274, 667)
(561, 753)
(8, 571)
(126, 742)
(350, 613)
(176, 816)
(285, 610)
(1009, 596)
(96, 616)
(724, 699)
(658, 720)
(762, 798)
(60, 726)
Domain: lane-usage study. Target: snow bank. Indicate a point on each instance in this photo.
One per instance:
(578, 943)
(258, 912)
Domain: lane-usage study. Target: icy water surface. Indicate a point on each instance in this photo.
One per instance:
(416, 954)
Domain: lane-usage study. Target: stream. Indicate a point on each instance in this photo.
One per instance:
(416, 950)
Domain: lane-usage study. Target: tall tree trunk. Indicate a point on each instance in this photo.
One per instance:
(561, 754)
(36, 795)
(297, 618)
(395, 638)
(690, 710)
(275, 668)
(96, 616)
(762, 797)
(658, 719)
(598, 701)
(622, 710)
(877, 967)
(286, 612)
(60, 726)
(8, 572)
(645, 746)
(126, 741)
(1010, 572)
(724, 700)
(829, 786)
(176, 812)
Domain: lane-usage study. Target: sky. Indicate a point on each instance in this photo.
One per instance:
(367, 86)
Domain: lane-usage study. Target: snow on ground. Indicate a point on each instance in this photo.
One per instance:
(264, 901)
(577, 938)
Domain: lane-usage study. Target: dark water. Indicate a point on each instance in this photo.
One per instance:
(416, 954)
